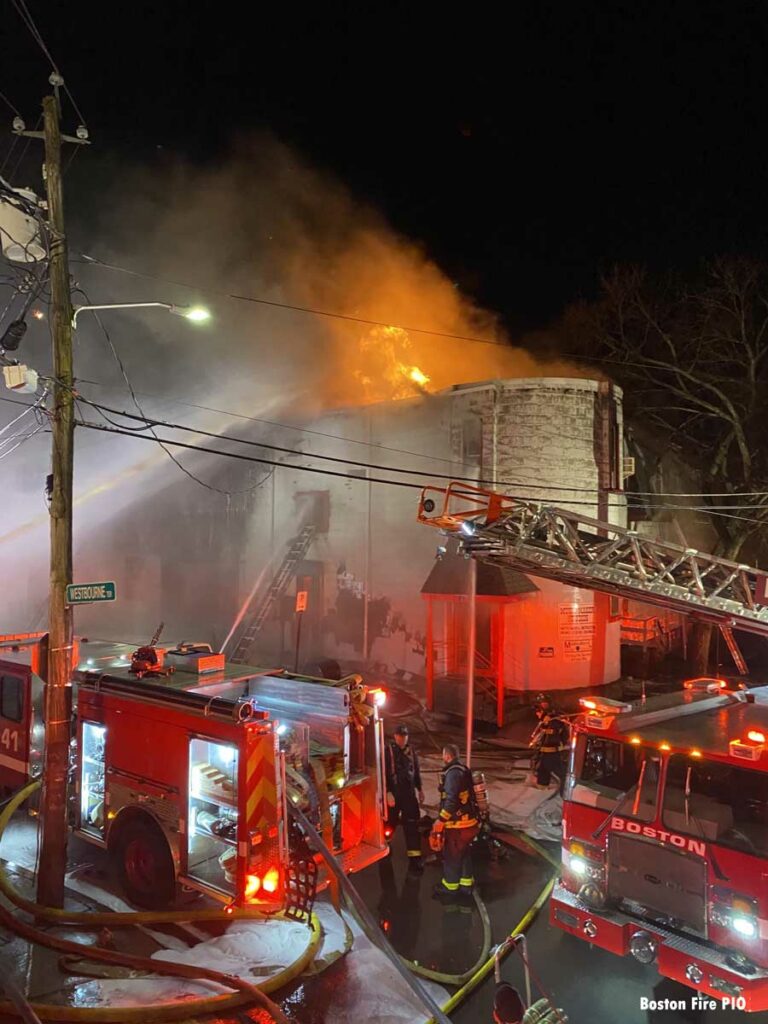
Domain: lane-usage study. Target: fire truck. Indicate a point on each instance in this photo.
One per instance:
(665, 816)
(665, 837)
(184, 767)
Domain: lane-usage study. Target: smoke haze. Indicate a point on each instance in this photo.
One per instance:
(264, 225)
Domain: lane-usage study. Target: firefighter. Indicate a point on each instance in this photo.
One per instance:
(404, 794)
(456, 826)
(550, 739)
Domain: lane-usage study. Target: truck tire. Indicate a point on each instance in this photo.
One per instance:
(145, 866)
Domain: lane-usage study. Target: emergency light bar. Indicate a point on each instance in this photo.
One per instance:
(601, 711)
(604, 705)
(750, 749)
(705, 684)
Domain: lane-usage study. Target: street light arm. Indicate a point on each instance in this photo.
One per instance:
(121, 305)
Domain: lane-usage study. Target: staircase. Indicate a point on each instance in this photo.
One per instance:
(297, 551)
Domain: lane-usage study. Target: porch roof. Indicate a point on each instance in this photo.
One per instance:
(449, 578)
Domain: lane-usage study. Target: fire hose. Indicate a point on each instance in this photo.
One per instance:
(481, 966)
(245, 992)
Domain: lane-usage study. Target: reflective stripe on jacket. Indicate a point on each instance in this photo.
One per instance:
(553, 735)
(457, 797)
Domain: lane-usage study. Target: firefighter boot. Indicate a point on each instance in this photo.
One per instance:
(416, 864)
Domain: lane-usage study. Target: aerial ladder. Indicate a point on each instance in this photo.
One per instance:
(297, 550)
(577, 550)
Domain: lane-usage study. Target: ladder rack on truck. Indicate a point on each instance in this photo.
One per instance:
(185, 777)
(582, 552)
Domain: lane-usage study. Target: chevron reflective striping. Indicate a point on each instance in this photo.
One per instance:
(353, 817)
(261, 801)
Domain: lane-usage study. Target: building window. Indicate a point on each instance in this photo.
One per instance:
(11, 698)
(472, 440)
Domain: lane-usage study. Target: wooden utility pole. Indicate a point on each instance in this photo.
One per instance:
(58, 686)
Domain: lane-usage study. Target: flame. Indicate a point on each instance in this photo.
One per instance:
(385, 371)
(418, 376)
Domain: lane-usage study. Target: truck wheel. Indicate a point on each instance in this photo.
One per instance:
(145, 866)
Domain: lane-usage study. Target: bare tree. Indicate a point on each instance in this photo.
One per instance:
(693, 358)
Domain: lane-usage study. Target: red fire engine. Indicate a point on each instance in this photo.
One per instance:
(665, 828)
(665, 837)
(185, 773)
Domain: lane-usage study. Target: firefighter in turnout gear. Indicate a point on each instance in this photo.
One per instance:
(550, 740)
(457, 825)
(404, 793)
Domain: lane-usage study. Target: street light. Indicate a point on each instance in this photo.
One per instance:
(197, 314)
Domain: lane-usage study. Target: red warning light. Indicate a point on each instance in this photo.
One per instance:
(252, 886)
(271, 880)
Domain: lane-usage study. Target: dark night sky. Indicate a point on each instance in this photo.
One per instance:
(525, 150)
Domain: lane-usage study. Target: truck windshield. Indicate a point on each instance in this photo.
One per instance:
(718, 802)
(605, 770)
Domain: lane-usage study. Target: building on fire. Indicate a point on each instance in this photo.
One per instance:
(376, 596)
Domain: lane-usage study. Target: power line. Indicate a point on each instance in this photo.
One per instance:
(244, 458)
(723, 511)
(348, 476)
(136, 402)
(151, 422)
(418, 455)
(26, 17)
(5, 99)
(131, 432)
(280, 448)
(290, 306)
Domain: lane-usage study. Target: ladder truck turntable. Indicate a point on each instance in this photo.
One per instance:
(184, 767)
(665, 814)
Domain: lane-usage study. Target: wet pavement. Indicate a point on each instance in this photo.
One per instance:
(592, 986)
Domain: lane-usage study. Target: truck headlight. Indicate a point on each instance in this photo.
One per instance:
(746, 926)
(583, 860)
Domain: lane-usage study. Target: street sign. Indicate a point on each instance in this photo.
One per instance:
(86, 593)
(301, 600)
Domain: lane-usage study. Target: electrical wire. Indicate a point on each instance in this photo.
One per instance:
(422, 455)
(321, 472)
(24, 149)
(580, 357)
(5, 100)
(19, 443)
(727, 511)
(219, 490)
(127, 432)
(290, 306)
(29, 21)
(243, 458)
(275, 423)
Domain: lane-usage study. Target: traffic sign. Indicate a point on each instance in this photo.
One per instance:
(87, 593)
(301, 600)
